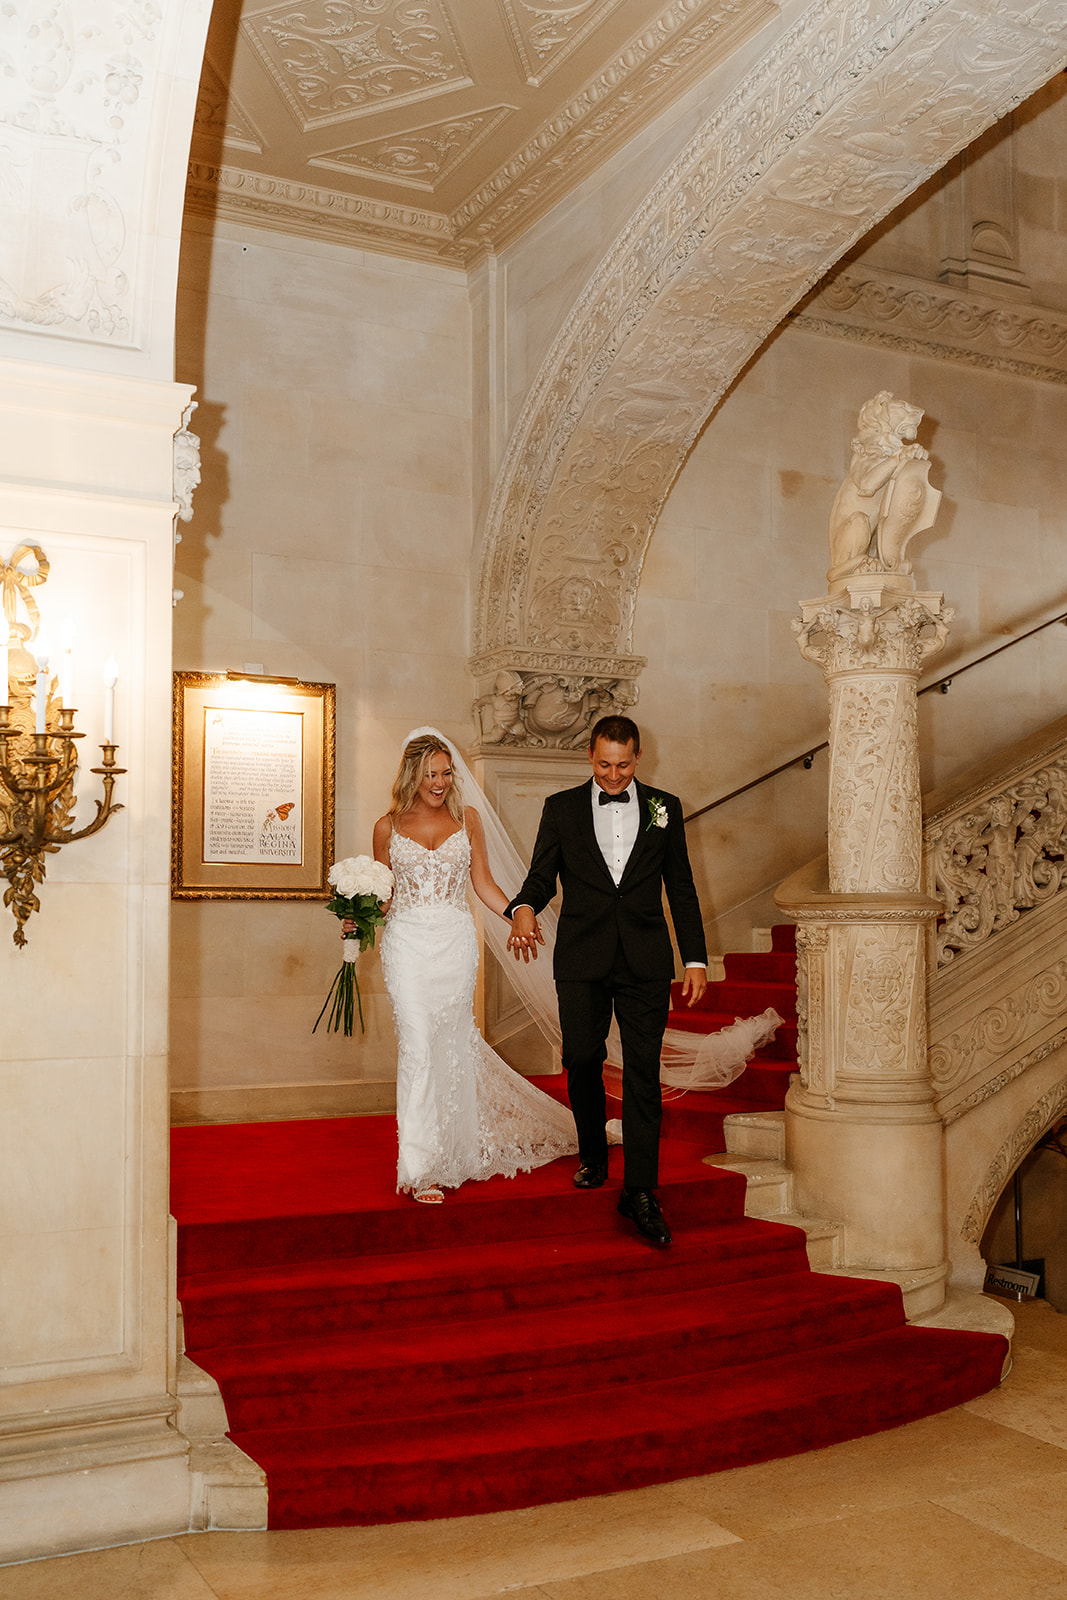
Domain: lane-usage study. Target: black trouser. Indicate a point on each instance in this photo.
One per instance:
(641, 1006)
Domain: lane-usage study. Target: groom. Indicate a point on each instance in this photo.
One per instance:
(615, 845)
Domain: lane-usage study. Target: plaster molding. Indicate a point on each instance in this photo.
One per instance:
(315, 211)
(1042, 1114)
(332, 60)
(1008, 1075)
(419, 158)
(546, 33)
(768, 194)
(688, 38)
(76, 100)
(919, 317)
(612, 666)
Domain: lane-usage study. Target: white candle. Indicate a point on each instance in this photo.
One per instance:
(42, 652)
(111, 677)
(66, 666)
(3, 672)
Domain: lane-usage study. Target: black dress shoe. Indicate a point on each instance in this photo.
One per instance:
(591, 1175)
(642, 1208)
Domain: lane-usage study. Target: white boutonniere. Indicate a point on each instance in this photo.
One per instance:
(657, 812)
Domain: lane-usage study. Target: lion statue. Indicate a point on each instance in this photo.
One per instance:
(886, 498)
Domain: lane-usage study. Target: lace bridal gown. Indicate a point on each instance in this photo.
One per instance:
(461, 1111)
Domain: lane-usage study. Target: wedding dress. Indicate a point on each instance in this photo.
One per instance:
(462, 1112)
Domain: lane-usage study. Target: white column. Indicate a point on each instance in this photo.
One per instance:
(89, 1453)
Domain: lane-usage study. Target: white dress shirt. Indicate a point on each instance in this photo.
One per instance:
(616, 827)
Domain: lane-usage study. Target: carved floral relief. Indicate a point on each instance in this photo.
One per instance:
(999, 1028)
(875, 818)
(1000, 858)
(545, 32)
(885, 1018)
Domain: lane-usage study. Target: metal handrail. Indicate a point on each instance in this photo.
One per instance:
(943, 684)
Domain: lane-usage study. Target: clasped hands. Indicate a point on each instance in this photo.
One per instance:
(525, 934)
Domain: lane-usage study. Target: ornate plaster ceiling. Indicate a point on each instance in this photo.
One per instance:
(435, 128)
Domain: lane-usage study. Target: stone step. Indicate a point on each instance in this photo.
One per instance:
(228, 1490)
(824, 1239)
(769, 1182)
(769, 1195)
(755, 1133)
(923, 1288)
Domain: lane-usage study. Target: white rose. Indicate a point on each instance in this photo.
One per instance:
(357, 875)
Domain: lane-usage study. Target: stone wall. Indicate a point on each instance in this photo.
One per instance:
(331, 541)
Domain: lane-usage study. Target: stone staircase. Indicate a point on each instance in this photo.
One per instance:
(755, 1148)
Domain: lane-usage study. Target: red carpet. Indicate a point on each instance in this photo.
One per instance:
(519, 1344)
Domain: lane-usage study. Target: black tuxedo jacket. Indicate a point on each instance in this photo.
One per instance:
(598, 917)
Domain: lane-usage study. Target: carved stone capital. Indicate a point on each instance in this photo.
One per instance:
(547, 707)
(873, 628)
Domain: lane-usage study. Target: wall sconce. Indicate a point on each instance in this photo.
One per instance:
(38, 753)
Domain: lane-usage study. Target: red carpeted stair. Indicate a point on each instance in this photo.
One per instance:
(519, 1344)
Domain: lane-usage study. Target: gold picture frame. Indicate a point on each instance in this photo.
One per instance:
(253, 765)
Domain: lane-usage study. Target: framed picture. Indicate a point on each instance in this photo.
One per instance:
(253, 784)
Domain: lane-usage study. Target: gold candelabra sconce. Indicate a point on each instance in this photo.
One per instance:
(38, 749)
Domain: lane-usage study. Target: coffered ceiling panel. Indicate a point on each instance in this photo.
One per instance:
(435, 128)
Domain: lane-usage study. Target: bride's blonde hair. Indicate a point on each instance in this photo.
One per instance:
(413, 764)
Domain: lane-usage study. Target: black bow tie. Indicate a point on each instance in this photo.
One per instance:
(614, 799)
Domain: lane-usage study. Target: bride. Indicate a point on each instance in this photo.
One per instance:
(461, 1111)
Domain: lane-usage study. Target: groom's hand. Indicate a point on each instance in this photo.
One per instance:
(525, 934)
(693, 984)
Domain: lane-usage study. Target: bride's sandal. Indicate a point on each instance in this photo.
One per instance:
(429, 1197)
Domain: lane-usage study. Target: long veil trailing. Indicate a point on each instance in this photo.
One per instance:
(688, 1060)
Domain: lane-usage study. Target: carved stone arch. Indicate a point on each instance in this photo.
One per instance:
(1042, 1115)
(848, 113)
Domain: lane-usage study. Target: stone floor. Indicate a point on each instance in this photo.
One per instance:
(972, 1503)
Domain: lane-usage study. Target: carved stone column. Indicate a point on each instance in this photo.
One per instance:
(863, 1138)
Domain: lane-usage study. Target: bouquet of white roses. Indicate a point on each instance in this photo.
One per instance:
(360, 888)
